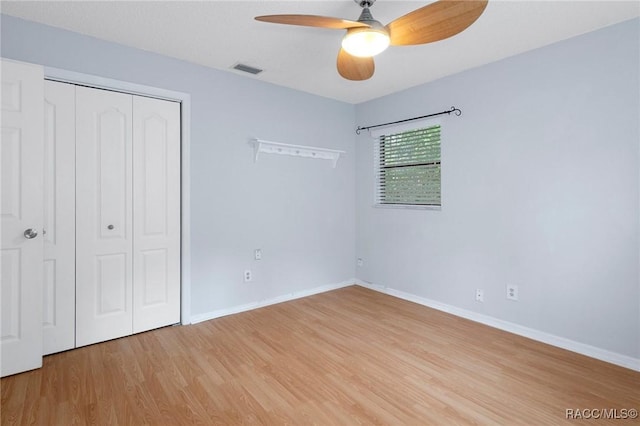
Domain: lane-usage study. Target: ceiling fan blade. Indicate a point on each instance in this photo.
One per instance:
(436, 21)
(311, 21)
(355, 68)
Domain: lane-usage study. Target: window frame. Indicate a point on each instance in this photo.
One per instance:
(390, 130)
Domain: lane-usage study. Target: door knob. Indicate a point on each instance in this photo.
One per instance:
(30, 233)
(110, 227)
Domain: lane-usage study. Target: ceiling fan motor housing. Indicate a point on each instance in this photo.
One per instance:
(367, 18)
(365, 3)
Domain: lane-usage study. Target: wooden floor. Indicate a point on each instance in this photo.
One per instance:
(350, 356)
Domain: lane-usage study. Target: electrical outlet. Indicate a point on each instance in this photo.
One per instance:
(479, 295)
(359, 262)
(512, 292)
(248, 276)
(257, 254)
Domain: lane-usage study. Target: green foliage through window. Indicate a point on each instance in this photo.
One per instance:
(408, 166)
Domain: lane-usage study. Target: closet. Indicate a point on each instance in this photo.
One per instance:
(90, 215)
(126, 209)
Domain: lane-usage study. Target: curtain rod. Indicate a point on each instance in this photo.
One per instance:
(453, 109)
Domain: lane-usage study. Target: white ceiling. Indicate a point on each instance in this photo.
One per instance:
(219, 34)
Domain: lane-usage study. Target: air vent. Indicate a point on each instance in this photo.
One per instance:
(246, 68)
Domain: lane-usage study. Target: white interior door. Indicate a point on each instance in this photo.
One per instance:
(104, 232)
(156, 213)
(59, 292)
(21, 159)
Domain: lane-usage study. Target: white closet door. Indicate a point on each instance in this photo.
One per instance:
(156, 213)
(21, 160)
(59, 292)
(104, 232)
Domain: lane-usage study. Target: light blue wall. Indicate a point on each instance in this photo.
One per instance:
(300, 212)
(540, 188)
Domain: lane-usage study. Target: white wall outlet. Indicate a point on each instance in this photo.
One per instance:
(479, 295)
(257, 254)
(512, 292)
(248, 276)
(359, 262)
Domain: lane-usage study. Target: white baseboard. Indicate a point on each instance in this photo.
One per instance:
(272, 301)
(561, 342)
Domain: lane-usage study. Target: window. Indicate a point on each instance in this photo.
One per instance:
(408, 168)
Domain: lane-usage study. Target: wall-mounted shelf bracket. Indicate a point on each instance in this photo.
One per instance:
(268, 147)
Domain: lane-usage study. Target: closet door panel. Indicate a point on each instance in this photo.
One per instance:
(58, 313)
(104, 231)
(21, 249)
(156, 243)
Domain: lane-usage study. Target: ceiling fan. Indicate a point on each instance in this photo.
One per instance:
(367, 37)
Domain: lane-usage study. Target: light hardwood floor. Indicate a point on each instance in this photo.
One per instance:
(350, 356)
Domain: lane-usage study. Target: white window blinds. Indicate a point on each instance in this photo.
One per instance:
(408, 168)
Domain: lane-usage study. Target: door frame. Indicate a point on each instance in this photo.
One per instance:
(184, 99)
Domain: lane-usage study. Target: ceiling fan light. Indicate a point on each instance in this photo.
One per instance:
(365, 42)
